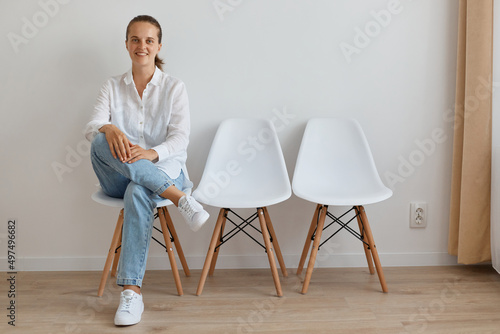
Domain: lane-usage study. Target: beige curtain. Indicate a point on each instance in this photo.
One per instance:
(469, 236)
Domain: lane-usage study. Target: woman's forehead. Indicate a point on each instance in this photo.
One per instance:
(142, 29)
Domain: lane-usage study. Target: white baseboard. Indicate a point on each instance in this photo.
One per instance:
(323, 260)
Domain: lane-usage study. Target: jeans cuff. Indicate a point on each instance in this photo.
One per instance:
(129, 281)
(160, 190)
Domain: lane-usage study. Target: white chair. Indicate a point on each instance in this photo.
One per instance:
(167, 229)
(245, 169)
(335, 167)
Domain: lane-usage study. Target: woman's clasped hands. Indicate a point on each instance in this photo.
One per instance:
(121, 148)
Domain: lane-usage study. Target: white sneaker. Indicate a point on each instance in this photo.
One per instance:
(130, 309)
(193, 212)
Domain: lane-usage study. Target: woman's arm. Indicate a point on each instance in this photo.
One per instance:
(100, 121)
(101, 114)
(179, 125)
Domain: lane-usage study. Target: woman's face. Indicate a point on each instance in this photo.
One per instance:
(142, 43)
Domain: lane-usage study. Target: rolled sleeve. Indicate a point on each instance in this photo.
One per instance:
(92, 129)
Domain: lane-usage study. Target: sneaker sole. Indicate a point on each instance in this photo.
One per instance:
(129, 323)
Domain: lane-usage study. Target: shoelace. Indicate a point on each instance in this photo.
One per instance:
(188, 208)
(127, 302)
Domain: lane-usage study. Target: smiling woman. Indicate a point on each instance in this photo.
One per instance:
(139, 132)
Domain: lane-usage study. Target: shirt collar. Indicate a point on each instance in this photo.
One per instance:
(155, 80)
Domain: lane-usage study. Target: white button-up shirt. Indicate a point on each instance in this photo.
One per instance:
(158, 121)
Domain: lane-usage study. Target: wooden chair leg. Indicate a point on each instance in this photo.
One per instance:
(365, 246)
(116, 258)
(217, 248)
(275, 242)
(177, 243)
(269, 249)
(170, 251)
(315, 247)
(210, 253)
(111, 253)
(373, 249)
(307, 244)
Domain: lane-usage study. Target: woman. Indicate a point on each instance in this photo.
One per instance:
(140, 132)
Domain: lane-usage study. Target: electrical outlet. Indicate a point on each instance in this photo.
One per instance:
(418, 214)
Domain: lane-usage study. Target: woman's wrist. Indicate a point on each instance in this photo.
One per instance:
(103, 128)
(155, 155)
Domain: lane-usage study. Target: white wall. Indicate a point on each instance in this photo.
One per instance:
(259, 58)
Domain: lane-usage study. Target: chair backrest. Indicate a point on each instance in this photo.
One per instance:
(245, 167)
(335, 165)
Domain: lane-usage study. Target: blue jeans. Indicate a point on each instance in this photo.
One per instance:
(139, 184)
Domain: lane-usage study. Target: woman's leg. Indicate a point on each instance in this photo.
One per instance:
(139, 203)
(174, 194)
(112, 183)
(142, 172)
(136, 235)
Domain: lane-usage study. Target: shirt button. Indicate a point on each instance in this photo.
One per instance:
(140, 122)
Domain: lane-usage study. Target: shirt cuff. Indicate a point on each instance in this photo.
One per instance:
(100, 125)
(162, 152)
(92, 130)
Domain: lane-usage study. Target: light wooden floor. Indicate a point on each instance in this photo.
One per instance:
(455, 299)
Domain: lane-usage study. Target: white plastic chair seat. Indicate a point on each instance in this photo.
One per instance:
(235, 201)
(100, 197)
(335, 165)
(245, 167)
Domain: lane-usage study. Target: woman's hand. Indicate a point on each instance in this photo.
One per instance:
(119, 145)
(138, 153)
